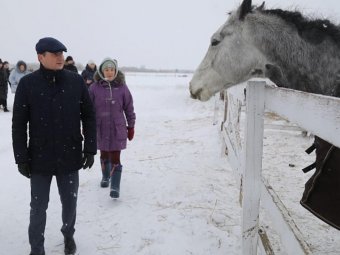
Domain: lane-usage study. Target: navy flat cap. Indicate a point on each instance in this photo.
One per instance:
(49, 44)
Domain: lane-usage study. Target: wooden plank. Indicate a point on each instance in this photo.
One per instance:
(234, 160)
(234, 157)
(253, 165)
(283, 127)
(216, 108)
(238, 91)
(232, 124)
(265, 246)
(316, 113)
(291, 238)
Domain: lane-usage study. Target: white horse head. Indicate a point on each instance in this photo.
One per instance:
(230, 59)
(254, 39)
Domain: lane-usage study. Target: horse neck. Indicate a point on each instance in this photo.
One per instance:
(306, 67)
(311, 74)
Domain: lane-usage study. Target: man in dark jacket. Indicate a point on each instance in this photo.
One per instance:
(3, 86)
(69, 64)
(88, 72)
(55, 103)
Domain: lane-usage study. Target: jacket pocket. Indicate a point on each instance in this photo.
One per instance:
(38, 149)
(121, 130)
(72, 150)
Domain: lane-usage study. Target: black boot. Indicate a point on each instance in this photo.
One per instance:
(115, 181)
(4, 103)
(37, 253)
(70, 246)
(106, 168)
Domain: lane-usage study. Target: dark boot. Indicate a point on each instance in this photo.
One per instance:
(5, 106)
(106, 168)
(70, 246)
(37, 253)
(115, 181)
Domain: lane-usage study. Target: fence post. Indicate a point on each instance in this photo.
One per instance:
(251, 176)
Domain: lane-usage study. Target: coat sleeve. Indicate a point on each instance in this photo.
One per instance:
(84, 74)
(11, 78)
(91, 92)
(129, 108)
(88, 119)
(19, 124)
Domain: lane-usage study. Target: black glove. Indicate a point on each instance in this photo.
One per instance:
(24, 169)
(88, 160)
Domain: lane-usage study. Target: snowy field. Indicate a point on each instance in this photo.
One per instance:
(178, 196)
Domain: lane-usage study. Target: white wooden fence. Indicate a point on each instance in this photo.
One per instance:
(244, 147)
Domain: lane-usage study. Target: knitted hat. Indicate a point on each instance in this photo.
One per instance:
(90, 62)
(49, 44)
(68, 58)
(108, 63)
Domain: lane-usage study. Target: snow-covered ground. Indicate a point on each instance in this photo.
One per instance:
(178, 196)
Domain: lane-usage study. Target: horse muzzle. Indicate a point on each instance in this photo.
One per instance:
(196, 94)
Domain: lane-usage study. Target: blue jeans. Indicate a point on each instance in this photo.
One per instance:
(40, 192)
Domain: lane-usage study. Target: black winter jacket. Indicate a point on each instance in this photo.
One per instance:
(88, 74)
(3, 84)
(54, 104)
(71, 68)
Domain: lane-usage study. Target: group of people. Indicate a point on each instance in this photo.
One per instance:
(4, 74)
(12, 77)
(70, 116)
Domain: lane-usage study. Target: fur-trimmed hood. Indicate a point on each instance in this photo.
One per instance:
(98, 75)
(120, 78)
(19, 63)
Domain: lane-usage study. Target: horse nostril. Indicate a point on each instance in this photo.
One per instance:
(197, 94)
(192, 95)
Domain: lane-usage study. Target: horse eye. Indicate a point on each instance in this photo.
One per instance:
(214, 42)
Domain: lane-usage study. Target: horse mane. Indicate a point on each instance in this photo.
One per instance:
(314, 31)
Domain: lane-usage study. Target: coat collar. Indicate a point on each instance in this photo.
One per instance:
(51, 75)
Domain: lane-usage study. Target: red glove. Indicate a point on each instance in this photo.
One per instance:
(131, 133)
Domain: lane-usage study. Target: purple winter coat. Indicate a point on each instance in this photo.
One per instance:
(114, 113)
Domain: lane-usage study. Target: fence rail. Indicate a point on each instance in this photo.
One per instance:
(244, 148)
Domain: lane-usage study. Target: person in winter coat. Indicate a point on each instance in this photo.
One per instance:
(3, 87)
(69, 64)
(88, 72)
(115, 117)
(16, 74)
(54, 104)
(6, 67)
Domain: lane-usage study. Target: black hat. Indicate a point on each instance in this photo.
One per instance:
(68, 58)
(49, 44)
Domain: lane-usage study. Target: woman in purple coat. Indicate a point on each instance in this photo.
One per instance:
(115, 118)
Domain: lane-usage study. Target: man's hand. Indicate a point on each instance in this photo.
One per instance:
(24, 169)
(88, 160)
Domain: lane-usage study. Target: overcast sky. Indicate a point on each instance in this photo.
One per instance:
(160, 34)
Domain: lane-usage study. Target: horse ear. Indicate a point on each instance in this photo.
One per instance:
(261, 7)
(245, 8)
